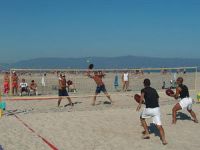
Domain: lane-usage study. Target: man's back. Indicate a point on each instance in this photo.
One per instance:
(184, 91)
(151, 97)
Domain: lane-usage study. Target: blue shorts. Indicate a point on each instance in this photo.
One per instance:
(62, 92)
(100, 89)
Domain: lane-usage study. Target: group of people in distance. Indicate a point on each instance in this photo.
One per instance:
(15, 85)
(148, 94)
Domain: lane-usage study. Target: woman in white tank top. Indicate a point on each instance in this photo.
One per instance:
(125, 79)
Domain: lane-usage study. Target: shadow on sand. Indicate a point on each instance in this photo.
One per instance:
(181, 116)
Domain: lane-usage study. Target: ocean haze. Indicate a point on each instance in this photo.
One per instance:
(103, 62)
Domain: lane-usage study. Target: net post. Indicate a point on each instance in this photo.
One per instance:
(196, 74)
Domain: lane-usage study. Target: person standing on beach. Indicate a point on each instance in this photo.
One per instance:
(62, 91)
(15, 80)
(152, 110)
(6, 83)
(97, 77)
(185, 102)
(43, 80)
(125, 80)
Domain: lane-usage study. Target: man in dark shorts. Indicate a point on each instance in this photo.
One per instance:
(24, 87)
(97, 77)
(152, 110)
(62, 92)
(185, 102)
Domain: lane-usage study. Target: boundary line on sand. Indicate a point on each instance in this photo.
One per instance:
(53, 147)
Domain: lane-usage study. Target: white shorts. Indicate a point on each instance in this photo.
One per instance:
(153, 113)
(186, 103)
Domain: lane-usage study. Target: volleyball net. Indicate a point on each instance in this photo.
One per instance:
(161, 78)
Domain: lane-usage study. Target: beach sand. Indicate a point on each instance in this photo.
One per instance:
(100, 127)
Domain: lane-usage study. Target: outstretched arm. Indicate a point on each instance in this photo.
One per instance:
(89, 73)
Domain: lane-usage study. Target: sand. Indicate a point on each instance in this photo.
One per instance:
(100, 127)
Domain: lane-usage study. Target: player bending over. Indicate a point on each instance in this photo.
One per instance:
(185, 102)
(152, 110)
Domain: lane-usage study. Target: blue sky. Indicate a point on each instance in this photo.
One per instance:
(79, 28)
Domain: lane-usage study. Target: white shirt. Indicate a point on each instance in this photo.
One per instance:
(43, 81)
(23, 85)
(125, 76)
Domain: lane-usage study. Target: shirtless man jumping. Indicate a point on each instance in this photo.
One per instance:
(97, 77)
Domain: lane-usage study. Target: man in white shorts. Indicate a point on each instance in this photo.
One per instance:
(185, 102)
(152, 110)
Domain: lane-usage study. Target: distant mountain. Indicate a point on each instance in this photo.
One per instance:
(103, 62)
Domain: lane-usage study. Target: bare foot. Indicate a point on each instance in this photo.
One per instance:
(143, 132)
(173, 122)
(164, 142)
(196, 121)
(69, 104)
(146, 136)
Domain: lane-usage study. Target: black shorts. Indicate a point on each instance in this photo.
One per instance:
(62, 92)
(24, 89)
(100, 89)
